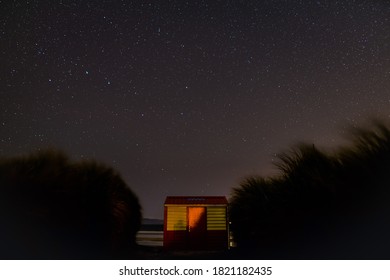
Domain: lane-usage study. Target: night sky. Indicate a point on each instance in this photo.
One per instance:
(189, 97)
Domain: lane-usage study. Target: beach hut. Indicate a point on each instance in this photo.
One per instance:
(196, 222)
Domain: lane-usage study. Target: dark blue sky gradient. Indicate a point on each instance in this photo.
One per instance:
(189, 97)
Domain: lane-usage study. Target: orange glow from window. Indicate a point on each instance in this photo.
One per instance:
(195, 216)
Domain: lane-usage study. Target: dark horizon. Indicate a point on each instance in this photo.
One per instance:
(189, 98)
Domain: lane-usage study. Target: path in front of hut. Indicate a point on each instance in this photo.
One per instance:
(150, 238)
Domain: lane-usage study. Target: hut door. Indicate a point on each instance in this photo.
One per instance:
(197, 226)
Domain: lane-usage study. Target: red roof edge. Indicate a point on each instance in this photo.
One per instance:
(196, 200)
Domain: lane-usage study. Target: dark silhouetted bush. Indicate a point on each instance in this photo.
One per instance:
(52, 208)
(321, 205)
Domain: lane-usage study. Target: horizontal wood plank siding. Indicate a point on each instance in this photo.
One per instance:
(176, 218)
(216, 218)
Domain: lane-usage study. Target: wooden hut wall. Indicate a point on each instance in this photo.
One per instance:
(176, 234)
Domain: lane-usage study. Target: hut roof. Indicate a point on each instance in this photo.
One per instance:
(190, 200)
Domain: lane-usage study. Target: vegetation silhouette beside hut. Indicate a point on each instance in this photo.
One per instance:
(54, 208)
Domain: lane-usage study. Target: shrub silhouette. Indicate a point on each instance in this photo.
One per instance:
(321, 205)
(257, 206)
(52, 208)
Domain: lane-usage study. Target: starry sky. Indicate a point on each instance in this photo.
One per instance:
(189, 97)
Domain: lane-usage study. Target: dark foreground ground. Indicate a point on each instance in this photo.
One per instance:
(159, 253)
